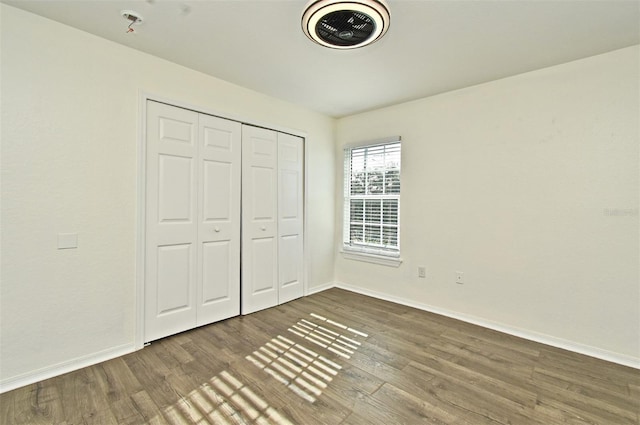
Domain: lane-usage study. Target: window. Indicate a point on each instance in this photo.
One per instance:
(372, 198)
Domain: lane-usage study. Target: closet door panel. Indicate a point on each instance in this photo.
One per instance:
(263, 271)
(259, 219)
(216, 277)
(218, 295)
(218, 189)
(289, 265)
(290, 217)
(171, 222)
(174, 278)
(175, 193)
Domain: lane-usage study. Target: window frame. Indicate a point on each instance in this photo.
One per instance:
(367, 252)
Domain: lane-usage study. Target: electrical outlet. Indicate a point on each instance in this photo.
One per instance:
(422, 272)
(460, 277)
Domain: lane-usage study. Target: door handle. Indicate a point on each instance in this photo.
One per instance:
(216, 229)
(263, 228)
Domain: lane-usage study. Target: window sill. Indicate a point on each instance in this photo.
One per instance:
(368, 257)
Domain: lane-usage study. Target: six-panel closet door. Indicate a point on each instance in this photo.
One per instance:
(192, 249)
(219, 220)
(205, 177)
(272, 218)
(290, 217)
(259, 218)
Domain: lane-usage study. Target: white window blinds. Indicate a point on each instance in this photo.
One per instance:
(372, 198)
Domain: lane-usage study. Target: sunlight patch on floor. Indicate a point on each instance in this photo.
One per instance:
(224, 400)
(337, 343)
(301, 369)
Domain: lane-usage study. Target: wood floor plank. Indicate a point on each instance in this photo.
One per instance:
(116, 382)
(44, 405)
(592, 406)
(508, 370)
(470, 398)
(564, 411)
(422, 411)
(551, 379)
(351, 377)
(336, 357)
(98, 410)
(147, 409)
(7, 413)
(595, 372)
(370, 410)
(521, 394)
(634, 392)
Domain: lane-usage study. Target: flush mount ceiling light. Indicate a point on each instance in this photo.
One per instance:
(344, 24)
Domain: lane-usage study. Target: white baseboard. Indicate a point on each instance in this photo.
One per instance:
(587, 350)
(111, 353)
(320, 288)
(64, 367)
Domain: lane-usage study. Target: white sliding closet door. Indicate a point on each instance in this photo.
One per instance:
(192, 220)
(272, 218)
(290, 217)
(259, 219)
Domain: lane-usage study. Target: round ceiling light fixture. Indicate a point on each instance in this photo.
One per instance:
(344, 24)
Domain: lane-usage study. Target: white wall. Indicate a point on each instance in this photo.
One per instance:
(69, 137)
(529, 185)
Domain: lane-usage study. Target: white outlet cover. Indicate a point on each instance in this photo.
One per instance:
(67, 240)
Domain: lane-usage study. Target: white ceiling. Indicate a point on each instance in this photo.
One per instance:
(432, 46)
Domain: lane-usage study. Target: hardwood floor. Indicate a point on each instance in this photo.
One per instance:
(336, 358)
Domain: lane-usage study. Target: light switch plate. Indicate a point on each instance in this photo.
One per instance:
(67, 240)
(422, 272)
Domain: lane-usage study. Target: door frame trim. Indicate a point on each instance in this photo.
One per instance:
(141, 185)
